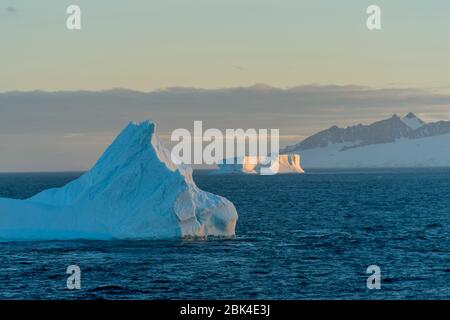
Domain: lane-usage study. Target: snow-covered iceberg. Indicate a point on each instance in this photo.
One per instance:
(281, 164)
(134, 191)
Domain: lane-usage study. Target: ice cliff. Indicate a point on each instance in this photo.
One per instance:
(281, 164)
(134, 191)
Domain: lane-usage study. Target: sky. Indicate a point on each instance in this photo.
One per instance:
(149, 44)
(301, 66)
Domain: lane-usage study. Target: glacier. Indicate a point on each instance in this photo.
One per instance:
(134, 191)
(403, 153)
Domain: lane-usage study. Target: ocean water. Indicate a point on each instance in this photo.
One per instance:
(306, 236)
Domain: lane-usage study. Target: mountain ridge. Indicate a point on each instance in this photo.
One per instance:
(379, 132)
(393, 142)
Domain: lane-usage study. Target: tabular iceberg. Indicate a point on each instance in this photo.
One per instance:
(281, 164)
(134, 191)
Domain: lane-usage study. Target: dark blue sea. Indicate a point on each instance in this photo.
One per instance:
(306, 236)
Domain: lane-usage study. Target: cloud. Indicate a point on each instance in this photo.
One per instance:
(12, 10)
(298, 110)
(80, 117)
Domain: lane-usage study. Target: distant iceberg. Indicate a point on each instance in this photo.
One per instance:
(134, 191)
(281, 164)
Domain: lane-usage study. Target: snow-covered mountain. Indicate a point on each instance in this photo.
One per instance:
(412, 121)
(134, 191)
(393, 142)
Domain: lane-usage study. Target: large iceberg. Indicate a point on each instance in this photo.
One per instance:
(264, 165)
(134, 191)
